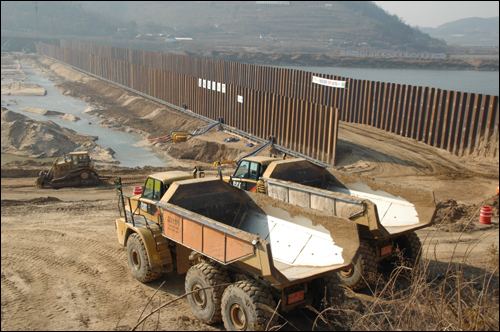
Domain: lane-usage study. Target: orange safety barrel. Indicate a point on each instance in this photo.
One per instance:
(137, 191)
(485, 215)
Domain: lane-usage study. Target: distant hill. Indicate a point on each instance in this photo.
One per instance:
(474, 31)
(270, 25)
(61, 18)
(280, 26)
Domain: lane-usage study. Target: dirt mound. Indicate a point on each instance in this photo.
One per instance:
(22, 89)
(34, 201)
(450, 211)
(27, 137)
(30, 138)
(454, 217)
(207, 152)
(41, 111)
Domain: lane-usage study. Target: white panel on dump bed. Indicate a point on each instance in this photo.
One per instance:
(257, 224)
(296, 242)
(392, 211)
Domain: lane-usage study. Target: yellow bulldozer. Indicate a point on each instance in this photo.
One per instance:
(76, 170)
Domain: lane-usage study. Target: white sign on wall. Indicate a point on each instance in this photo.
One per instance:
(212, 85)
(327, 82)
(240, 99)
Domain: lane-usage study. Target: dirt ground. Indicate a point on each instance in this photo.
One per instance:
(63, 269)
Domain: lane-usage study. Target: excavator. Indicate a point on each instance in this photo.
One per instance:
(76, 170)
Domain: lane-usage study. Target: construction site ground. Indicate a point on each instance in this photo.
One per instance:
(63, 269)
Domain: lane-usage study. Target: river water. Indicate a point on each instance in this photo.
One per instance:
(129, 151)
(484, 82)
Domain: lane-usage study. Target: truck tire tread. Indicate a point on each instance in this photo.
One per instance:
(364, 269)
(214, 274)
(410, 243)
(255, 296)
(147, 274)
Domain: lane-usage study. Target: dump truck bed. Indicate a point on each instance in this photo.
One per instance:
(394, 208)
(283, 243)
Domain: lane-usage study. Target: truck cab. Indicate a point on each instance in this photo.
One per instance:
(139, 229)
(249, 171)
(153, 190)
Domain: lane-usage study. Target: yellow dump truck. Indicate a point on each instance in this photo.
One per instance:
(140, 226)
(387, 213)
(258, 251)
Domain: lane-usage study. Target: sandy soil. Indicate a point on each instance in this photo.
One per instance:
(62, 267)
(22, 89)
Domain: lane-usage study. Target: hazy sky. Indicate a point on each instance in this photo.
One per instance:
(431, 14)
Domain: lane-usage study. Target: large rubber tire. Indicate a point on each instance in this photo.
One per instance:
(409, 244)
(329, 285)
(364, 271)
(206, 304)
(138, 260)
(248, 306)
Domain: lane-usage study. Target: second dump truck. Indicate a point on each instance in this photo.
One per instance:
(260, 253)
(387, 213)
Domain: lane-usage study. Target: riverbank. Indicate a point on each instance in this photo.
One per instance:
(332, 60)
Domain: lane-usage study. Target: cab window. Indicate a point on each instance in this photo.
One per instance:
(152, 189)
(242, 171)
(254, 171)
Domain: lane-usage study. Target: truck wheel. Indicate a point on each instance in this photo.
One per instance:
(411, 247)
(138, 260)
(248, 306)
(334, 291)
(364, 268)
(206, 304)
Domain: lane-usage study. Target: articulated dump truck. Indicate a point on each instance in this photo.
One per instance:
(387, 213)
(259, 251)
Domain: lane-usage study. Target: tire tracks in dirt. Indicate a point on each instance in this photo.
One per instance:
(63, 267)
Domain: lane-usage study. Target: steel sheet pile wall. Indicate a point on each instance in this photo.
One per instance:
(305, 127)
(287, 103)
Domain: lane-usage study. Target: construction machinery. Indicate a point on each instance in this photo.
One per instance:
(245, 255)
(141, 220)
(29, 48)
(387, 213)
(76, 170)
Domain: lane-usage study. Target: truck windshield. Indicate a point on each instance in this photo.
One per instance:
(242, 171)
(152, 189)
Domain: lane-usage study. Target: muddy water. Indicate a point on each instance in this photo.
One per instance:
(127, 146)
